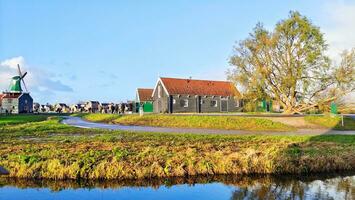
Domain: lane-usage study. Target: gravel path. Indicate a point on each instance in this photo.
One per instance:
(78, 122)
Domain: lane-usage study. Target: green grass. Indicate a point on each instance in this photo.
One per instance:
(98, 117)
(18, 119)
(333, 122)
(48, 149)
(210, 122)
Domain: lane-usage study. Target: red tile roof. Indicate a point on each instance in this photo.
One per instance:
(199, 87)
(145, 94)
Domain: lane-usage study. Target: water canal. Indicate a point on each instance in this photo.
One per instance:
(334, 186)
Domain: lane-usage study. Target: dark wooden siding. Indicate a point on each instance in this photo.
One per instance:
(25, 104)
(206, 104)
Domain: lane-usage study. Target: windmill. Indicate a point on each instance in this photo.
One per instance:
(15, 86)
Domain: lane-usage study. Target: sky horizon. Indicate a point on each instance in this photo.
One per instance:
(104, 50)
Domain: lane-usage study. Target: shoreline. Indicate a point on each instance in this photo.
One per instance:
(156, 181)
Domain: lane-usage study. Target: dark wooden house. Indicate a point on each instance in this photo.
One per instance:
(174, 95)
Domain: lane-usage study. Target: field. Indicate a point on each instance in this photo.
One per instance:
(20, 119)
(212, 122)
(48, 149)
(332, 122)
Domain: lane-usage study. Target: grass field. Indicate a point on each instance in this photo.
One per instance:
(20, 119)
(219, 122)
(212, 122)
(333, 122)
(48, 149)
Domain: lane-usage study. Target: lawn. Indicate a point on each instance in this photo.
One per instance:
(333, 122)
(211, 122)
(48, 149)
(20, 119)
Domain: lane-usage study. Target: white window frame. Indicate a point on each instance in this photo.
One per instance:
(237, 103)
(186, 103)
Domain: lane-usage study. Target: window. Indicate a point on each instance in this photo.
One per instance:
(174, 101)
(237, 103)
(213, 103)
(184, 103)
(9, 100)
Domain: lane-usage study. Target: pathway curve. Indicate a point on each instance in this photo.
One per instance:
(78, 122)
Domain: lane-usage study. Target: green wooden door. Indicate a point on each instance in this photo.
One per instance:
(148, 107)
(333, 108)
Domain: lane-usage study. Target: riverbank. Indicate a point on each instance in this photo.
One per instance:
(48, 149)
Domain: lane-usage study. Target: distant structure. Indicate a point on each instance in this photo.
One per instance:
(92, 106)
(15, 100)
(61, 108)
(144, 99)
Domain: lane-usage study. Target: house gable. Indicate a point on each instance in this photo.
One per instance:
(159, 82)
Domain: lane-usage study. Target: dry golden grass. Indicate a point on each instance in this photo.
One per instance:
(56, 151)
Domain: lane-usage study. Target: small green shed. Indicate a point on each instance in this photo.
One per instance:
(144, 99)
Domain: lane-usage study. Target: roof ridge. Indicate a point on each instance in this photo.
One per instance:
(197, 79)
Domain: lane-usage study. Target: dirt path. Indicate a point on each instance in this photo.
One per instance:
(297, 122)
(78, 122)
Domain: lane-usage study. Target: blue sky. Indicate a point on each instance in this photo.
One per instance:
(104, 50)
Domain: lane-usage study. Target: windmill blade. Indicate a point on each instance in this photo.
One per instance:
(23, 76)
(24, 84)
(19, 70)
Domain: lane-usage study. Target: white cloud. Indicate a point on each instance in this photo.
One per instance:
(41, 83)
(339, 28)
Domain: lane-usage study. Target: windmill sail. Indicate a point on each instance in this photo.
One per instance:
(22, 76)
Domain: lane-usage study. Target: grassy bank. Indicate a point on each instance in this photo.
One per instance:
(333, 122)
(48, 149)
(211, 122)
(220, 122)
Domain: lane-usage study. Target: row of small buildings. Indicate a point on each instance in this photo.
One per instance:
(176, 95)
(87, 107)
(169, 95)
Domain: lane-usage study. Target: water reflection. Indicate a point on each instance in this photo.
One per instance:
(333, 186)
